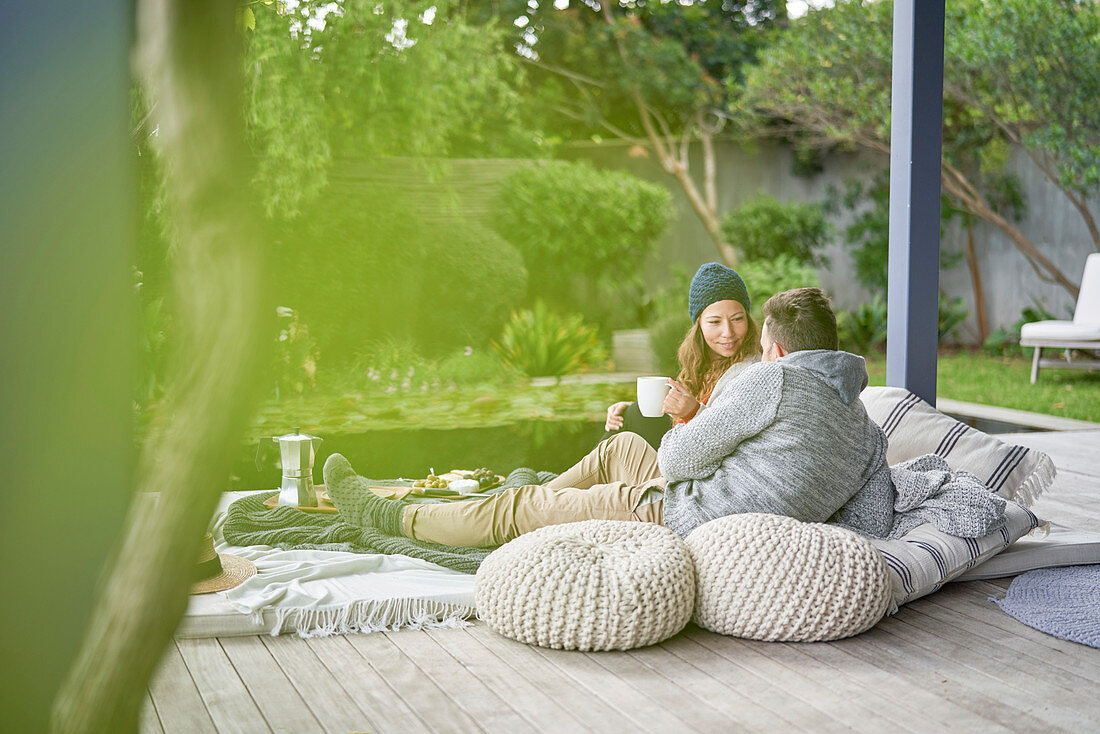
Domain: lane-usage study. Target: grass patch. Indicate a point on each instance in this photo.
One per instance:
(977, 377)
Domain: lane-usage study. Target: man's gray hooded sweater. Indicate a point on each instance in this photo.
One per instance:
(789, 437)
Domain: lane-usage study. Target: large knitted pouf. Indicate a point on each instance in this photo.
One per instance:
(767, 577)
(591, 585)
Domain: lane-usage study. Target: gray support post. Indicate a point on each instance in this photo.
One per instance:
(916, 139)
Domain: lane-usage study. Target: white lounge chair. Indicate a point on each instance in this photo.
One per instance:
(1081, 333)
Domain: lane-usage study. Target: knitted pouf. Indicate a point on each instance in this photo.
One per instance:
(766, 577)
(591, 585)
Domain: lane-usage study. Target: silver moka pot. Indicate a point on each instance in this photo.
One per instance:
(297, 453)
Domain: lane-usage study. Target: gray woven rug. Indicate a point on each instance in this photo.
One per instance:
(1064, 602)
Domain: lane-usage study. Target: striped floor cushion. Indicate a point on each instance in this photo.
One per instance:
(914, 428)
(924, 559)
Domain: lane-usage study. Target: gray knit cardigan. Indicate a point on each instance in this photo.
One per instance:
(787, 438)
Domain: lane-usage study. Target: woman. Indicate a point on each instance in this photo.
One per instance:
(722, 336)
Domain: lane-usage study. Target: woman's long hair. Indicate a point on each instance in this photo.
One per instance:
(701, 366)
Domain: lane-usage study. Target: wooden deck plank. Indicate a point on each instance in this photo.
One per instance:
(490, 711)
(431, 702)
(225, 696)
(800, 714)
(836, 681)
(1002, 629)
(882, 683)
(835, 712)
(366, 686)
(529, 700)
(330, 704)
(663, 692)
(979, 715)
(974, 691)
(594, 680)
(284, 709)
(148, 722)
(593, 711)
(1029, 674)
(1029, 689)
(966, 599)
(1068, 512)
(179, 705)
(697, 684)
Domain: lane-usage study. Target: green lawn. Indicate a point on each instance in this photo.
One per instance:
(976, 377)
(968, 376)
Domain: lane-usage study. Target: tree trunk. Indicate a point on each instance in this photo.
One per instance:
(976, 281)
(189, 53)
(678, 166)
(955, 183)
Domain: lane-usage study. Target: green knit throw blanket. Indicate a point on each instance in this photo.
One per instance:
(249, 522)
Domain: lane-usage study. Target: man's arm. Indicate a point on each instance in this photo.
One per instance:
(695, 450)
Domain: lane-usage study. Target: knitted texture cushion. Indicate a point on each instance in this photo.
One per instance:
(591, 585)
(767, 577)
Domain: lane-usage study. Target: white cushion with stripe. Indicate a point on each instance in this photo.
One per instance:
(914, 428)
(924, 559)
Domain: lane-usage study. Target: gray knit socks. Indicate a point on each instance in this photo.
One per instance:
(357, 504)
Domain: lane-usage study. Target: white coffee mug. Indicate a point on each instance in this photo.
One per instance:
(651, 395)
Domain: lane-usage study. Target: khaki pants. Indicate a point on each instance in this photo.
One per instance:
(607, 484)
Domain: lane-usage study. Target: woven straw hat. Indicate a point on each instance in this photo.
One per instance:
(219, 571)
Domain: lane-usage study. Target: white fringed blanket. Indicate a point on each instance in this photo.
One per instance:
(315, 593)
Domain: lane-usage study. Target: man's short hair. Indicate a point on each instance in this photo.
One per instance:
(801, 319)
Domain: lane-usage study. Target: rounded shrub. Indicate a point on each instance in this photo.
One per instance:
(763, 228)
(583, 232)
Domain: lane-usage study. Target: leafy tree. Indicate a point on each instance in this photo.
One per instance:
(370, 79)
(1033, 70)
(825, 84)
(653, 74)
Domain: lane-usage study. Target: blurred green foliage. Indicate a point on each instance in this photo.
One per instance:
(362, 269)
(1032, 69)
(950, 313)
(586, 235)
(396, 366)
(380, 79)
(296, 355)
(763, 228)
(539, 342)
(863, 328)
(668, 320)
(766, 277)
(1006, 340)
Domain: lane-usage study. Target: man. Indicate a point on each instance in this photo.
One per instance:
(788, 436)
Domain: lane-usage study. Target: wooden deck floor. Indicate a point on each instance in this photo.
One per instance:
(949, 662)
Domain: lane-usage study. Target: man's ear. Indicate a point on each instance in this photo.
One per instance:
(779, 350)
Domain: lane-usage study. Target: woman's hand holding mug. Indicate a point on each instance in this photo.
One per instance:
(679, 402)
